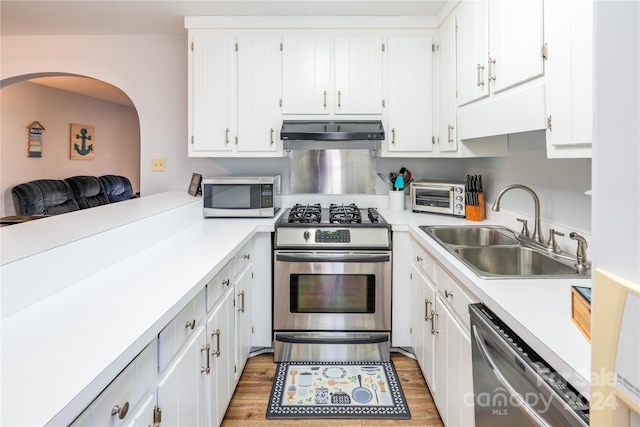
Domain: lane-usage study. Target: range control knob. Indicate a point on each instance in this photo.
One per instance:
(306, 235)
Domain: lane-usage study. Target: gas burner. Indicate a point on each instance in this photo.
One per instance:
(305, 214)
(374, 217)
(342, 214)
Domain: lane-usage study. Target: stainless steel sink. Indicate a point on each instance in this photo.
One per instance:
(513, 262)
(495, 252)
(472, 235)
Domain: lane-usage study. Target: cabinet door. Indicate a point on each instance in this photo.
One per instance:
(258, 94)
(144, 416)
(423, 333)
(446, 128)
(409, 101)
(472, 48)
(306, 65)
(569, 78)
(442, 363)
(243, 319)
(213, 95)
(358, 75)
(221, 339)
(515, 42)
(181, 392)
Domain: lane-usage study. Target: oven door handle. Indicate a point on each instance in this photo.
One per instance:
(296, 339)
(333, 257)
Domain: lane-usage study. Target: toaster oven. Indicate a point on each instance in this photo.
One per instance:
(443, 197)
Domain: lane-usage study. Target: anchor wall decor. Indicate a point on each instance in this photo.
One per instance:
(83, 140)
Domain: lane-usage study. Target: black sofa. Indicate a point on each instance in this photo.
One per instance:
(57, 196)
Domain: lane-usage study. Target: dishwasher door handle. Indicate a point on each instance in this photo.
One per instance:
(503, 380)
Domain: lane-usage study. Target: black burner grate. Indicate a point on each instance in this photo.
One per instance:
(344, 214)
(305, 214)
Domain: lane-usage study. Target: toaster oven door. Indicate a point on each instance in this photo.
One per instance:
(436, 198)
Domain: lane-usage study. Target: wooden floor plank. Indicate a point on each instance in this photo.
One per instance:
(248, 406)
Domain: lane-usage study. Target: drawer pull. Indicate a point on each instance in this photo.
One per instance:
(419, 258)
(246, 256)
(217, 334)
(226, 282)
(190, 324)
(207, 368)
(120, 411)
(448, 294)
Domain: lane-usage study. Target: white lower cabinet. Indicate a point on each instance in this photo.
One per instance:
(187, 376)
(181, 390)
(441, 338)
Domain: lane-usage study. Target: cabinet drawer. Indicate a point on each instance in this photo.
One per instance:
(218, 286)
(455, 295)
(423, 260)
(176, 333)
(243, 258)
(115, 405)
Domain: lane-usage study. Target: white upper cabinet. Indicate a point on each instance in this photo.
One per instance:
(212, 95)
(446, 122)
(233, 96)
(500, 67)
(358, 75)
(306, 75)
(331, 76)
(472, 50)
(410, 99)
(569, 82)
(258, 95)
(515, 43)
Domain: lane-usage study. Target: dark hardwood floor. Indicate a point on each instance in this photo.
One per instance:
(249, 403)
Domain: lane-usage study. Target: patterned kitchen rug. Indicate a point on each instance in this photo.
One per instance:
(337, 390)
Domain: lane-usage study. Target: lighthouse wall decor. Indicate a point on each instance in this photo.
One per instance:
(82, 142)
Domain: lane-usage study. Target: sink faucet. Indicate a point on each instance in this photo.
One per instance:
(581, 253)
(537, 234)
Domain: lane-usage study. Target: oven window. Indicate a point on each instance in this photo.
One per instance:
(332, 293)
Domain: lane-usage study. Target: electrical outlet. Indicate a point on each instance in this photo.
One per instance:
(158, 164)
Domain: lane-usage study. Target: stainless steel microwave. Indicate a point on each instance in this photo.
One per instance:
(241, 196)
(445, 197)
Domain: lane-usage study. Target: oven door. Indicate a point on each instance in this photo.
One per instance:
(332, 290)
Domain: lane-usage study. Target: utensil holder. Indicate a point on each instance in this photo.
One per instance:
(396, 201)
(476, 213)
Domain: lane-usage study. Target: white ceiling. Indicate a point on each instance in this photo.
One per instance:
(91, 17)
(69, 17)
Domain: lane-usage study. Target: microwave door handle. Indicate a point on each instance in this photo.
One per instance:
(505, 383)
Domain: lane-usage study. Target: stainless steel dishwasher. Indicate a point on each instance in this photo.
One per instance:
(513, 385)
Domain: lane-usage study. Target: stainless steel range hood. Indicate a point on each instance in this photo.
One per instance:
(328, 134)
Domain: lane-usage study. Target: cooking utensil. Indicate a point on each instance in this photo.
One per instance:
(340, 398)
(375, 390)
(361, 394)
(293, 376)
(333, 382)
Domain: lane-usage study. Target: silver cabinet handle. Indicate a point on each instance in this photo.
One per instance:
(448, 294)
(449, 129)
(120, 411)
(324, 104)
(419, 258)
(478, 70)
(246, 256)
(207, 368)
(339, 99)
(427, 303)
(226, 282)
(434, 324)
(226, 136)
(190, 324)
(217, 334)
(491, 61)
(241, 295)
(271, 136)
(393, 135)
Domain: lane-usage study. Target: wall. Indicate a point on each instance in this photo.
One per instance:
(116, 145)
(150, 69)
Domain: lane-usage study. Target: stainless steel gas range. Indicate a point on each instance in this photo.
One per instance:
(332, 284)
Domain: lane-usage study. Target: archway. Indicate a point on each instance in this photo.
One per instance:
(58, 100)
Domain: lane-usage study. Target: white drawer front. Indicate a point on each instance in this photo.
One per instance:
(218, 286)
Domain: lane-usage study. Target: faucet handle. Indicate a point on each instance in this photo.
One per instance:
(525, 230)
(552, 246)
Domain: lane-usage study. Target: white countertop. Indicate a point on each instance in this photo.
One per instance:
(60, 352)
